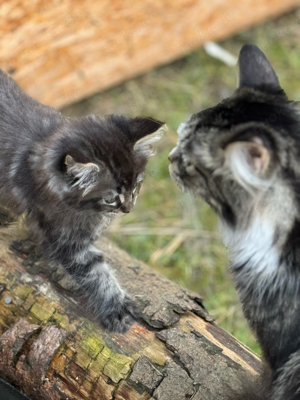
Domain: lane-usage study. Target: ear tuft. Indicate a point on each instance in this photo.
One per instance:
(255, 71)
(143, 145)
(143, 126)
(249, 162)
(83, 176)
(69, 161)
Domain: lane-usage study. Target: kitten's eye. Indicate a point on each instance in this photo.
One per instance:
(112, 201)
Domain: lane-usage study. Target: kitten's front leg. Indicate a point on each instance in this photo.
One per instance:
(108, 302)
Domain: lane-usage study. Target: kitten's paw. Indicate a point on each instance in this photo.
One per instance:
(6, 218)
(119, 315)
(27, 249)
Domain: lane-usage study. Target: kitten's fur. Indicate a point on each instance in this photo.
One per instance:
(71, 177)
(243, 158)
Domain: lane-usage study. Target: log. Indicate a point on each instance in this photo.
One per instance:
(62, 51)
(50, 349)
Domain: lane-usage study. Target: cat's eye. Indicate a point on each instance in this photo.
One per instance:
(137, 189)
(135, 192)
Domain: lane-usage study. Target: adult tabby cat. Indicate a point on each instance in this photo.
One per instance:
(71, 177)
(243, 158)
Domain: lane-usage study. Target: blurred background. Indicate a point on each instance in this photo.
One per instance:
(67, 55)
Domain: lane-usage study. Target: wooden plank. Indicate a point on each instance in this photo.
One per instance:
(60, 51)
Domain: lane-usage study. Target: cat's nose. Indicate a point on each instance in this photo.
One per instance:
(174, 154)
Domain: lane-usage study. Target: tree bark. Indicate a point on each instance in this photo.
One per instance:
(50, 349)
(62, 51)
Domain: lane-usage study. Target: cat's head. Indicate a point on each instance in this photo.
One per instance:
(242, 156)
(98, 163)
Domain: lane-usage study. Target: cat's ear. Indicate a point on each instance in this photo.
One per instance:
(249, 162)
(83, 175)
(255, 71)
(146, 131)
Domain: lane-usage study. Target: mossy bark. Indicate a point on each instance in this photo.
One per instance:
(50, 349)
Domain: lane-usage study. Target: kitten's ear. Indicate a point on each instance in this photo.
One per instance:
(255, 71)
(146, 131)
(249, 162)
(84, 176)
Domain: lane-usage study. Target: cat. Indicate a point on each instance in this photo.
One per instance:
(243, 158)
(72, 177)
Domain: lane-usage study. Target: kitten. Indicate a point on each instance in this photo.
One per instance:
(243, 158)
(71, 177)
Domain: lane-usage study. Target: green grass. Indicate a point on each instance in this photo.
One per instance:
(175, 234)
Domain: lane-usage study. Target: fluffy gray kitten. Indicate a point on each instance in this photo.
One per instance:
(71, 177)
(243, 158)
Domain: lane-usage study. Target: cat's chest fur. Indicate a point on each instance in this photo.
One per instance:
(253, 247)
(256, 247)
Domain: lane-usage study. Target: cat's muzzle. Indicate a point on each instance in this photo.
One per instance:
(174, 154)
(173, 168)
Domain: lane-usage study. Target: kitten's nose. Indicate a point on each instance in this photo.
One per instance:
(126, 207)
(173, 154)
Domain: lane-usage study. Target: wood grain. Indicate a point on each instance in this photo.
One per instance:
(60, 51)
